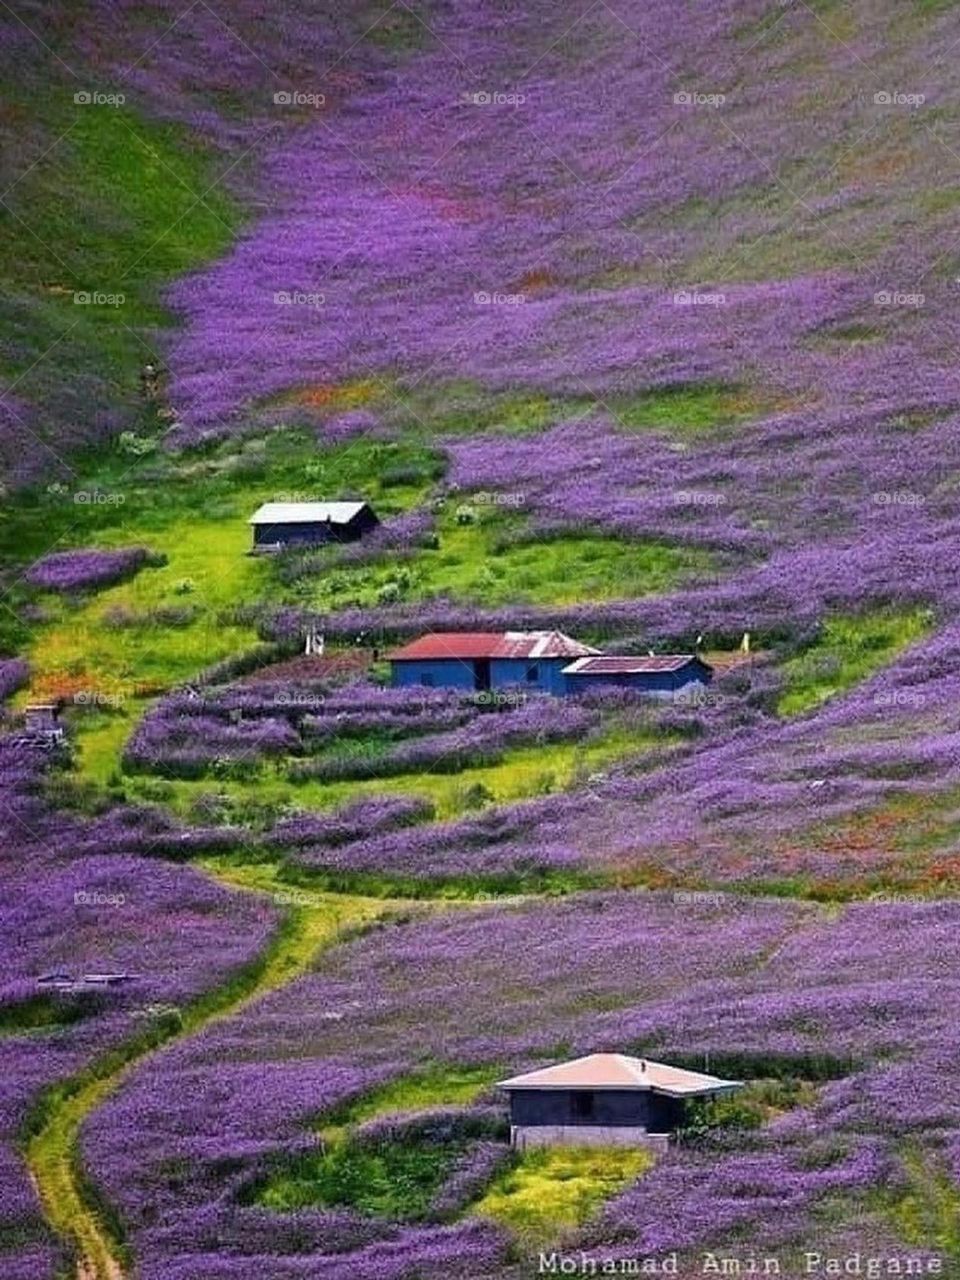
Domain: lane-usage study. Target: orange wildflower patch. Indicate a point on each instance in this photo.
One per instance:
(534, 280)
(347, 395)
(61, 686)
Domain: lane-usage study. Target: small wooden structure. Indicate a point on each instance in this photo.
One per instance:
(61, 980)
(41, 722)
(604, 1099)
(277, 525)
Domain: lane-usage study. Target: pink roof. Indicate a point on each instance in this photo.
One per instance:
(614, 666)
(619, 1071)
(467, 645)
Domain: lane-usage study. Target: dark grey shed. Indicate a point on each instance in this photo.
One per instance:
(290, 524)
(604, 1099)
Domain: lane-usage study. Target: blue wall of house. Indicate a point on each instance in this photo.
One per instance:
(440, 672)
(663, 684)
(543, 675)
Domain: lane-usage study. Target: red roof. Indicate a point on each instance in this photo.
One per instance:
(468, 645)
(615, 666)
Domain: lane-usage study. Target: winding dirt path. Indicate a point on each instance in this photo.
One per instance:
(316, 922)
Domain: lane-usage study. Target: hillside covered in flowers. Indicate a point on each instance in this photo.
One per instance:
(632, 323)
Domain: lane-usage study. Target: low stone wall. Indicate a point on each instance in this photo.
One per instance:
(585, 1135)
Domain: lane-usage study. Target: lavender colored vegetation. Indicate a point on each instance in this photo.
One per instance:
(676, 280)
(849, 1004)
(86, 569)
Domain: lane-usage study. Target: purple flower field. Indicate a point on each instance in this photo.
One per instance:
(564, 290)
(354, 732)
(176, 934)
(748, 983)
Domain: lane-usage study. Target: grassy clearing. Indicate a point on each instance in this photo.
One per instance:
(396, 1180)
(490, 561)
(165, 625)
(848, 650)
(522, 774)
(554, 1190)
(37, 1014)
(467, 408)
(688, 409)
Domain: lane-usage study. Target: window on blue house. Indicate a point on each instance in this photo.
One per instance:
(427, 680)
(533, 673)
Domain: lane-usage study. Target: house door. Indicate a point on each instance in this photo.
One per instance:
(481, 674)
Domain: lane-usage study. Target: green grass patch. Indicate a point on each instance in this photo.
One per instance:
(928, 1213)
(848, 650)
(438, 1085)
(395, 1180)
(687, 408)
(523, 773)
(544, 882)
(167, 624)
(115, 205)
(554, 1190)
(484, 557)
(467, 408)
(37, 1014)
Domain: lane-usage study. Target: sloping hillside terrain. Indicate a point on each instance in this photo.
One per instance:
(632, 321)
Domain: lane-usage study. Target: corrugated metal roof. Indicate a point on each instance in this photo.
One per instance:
(306, 512)
(468, 645)
(619, 1071)
(617, 666)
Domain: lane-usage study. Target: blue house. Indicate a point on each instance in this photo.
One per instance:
(482, 660)
(661, 675)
